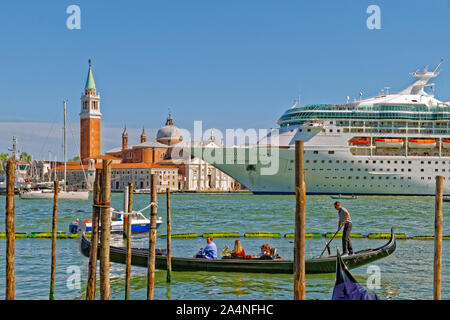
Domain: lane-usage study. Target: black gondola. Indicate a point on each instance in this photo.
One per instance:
(346, 287)
(139, 257)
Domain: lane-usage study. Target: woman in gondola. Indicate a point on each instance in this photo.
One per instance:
(238, 251)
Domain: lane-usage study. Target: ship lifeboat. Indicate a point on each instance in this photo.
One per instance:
(422, 143)
(446, 144)
(360, 141)
(389, 143)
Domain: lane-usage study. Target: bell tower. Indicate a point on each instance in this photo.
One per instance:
(90, 120)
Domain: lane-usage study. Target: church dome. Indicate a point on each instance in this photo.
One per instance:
(169, 134)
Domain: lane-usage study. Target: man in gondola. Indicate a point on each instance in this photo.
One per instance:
(209, 252)
(346, 222)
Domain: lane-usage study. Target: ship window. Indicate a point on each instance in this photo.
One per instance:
(316, 152)
(330, 152)
(421, 170)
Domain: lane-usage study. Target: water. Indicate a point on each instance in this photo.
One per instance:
(407, 274)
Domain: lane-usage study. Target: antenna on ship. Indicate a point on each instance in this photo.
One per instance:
(438, 65)
(387, 90)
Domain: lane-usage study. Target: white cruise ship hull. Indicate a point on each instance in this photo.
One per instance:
(335, 170)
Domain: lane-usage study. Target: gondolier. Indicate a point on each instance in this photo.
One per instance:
(346, 222)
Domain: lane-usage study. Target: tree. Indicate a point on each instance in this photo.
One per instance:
(3, 158)
(25, 157)
(75, 159)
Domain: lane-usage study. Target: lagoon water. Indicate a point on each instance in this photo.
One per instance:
(407, 274)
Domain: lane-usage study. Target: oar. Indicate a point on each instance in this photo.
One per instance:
(327, 246)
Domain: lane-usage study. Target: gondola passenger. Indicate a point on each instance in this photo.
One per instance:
(209, 252)
(238, 251)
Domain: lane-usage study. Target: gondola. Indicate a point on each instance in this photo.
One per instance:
(346, 287)
(322, 265)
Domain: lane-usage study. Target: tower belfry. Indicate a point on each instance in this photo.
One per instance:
(90, 119)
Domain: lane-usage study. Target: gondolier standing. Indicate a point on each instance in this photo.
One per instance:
(346, 222)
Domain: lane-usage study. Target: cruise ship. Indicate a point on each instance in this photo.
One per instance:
(390, 144)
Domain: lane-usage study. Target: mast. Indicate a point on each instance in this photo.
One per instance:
(65, 148)
(49, 166)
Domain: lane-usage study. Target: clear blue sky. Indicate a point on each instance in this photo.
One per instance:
(232, 64)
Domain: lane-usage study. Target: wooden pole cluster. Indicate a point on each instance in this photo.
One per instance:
(54, 227)
(169, 235)
(152, 240)
(9, 226)
(299, 246)
(438, 238)
(128, 237)
(92, 273)
(105, 264)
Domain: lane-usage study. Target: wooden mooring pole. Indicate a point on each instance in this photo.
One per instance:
(299, 246)
(105, 264)
(169, 235)
(128, 237)
(152, 240)
(92, 272)
(438, 238)
(125, 209)
(9, 226)
(54, 227)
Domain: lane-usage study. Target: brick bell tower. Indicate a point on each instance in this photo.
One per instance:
(90, 119)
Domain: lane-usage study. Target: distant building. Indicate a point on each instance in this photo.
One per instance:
(135, 163)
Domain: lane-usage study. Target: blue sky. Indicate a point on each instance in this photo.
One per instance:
(232, 64)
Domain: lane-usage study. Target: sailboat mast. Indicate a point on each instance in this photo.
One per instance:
(65, 148)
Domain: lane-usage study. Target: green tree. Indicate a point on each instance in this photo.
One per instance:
(75, 159)
(3, 158)
(25, 157)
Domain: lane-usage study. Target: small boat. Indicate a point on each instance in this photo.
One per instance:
(360, 141)
(389, 143)
(339, 196)
(49, 194)
(446, 144)
(139, 257)
(422, 143)
(446, 199)
(346, 287)
(139, 223)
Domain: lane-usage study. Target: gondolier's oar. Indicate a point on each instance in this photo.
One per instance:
(327, 246)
